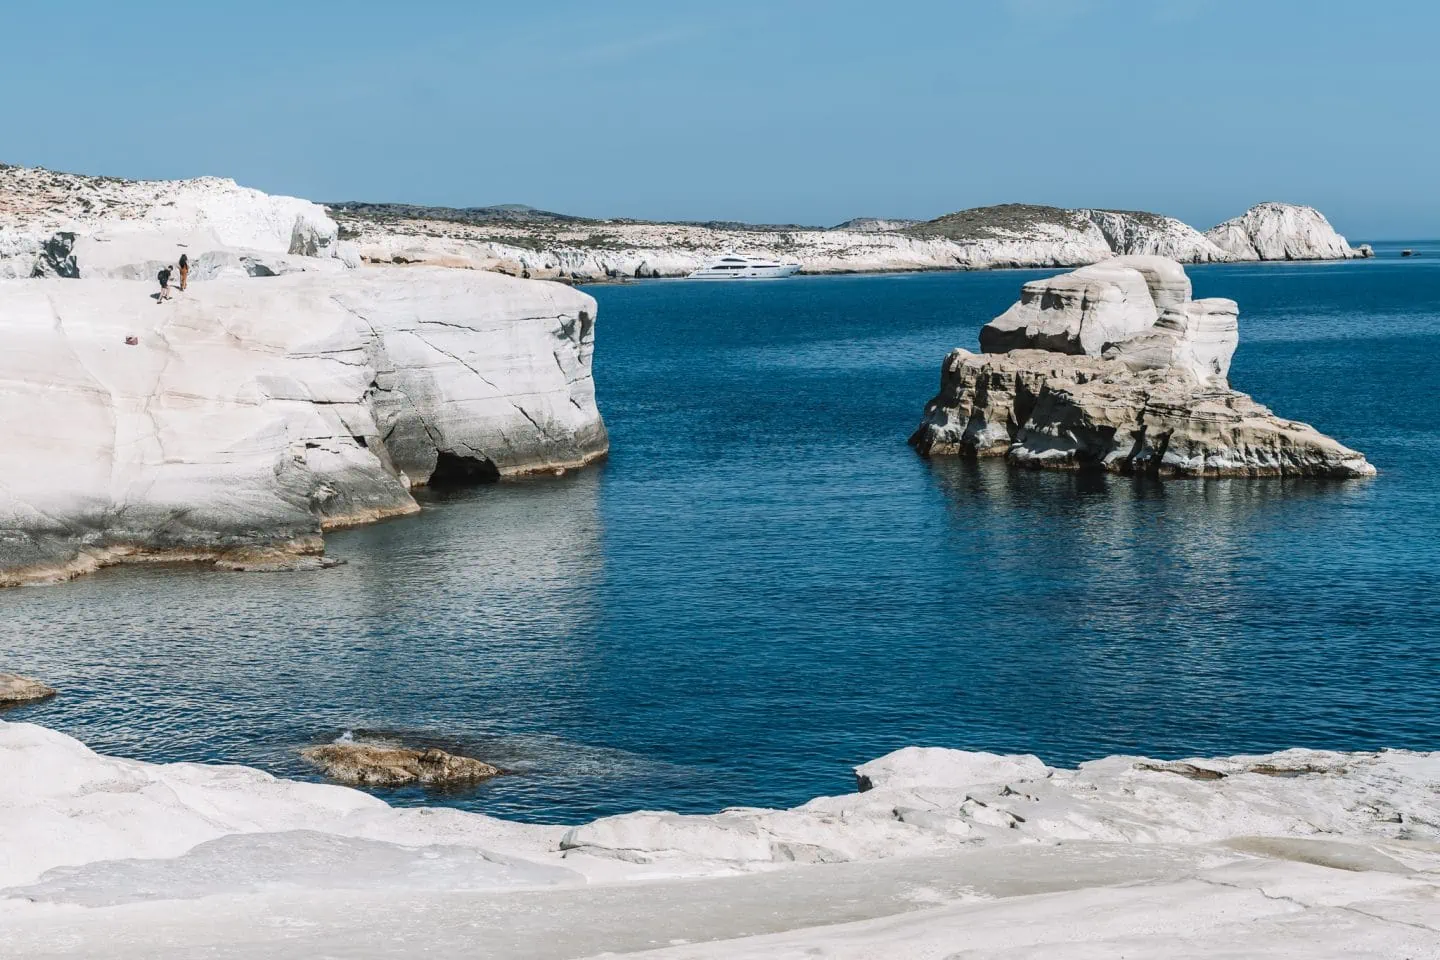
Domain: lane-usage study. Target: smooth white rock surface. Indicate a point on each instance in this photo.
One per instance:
(139, 225)
(253, 413)
(1198, 337)
(1078, 312)
(1301, 853)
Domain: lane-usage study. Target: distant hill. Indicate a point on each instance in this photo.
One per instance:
(497, 213)
(875, 225)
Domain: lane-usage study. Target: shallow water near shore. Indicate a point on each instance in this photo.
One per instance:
(763, 585)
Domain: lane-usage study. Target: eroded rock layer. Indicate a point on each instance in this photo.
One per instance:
(1050, 410)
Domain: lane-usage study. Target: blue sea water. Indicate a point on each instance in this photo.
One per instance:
(764, 586)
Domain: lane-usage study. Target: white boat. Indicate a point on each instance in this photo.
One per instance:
(735, 267)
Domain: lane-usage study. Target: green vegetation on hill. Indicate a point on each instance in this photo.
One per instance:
(518, 214)
(499, 213)
(1002, 221)
(1007, 220)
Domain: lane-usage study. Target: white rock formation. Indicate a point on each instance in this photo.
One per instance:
(1084, 372)
(1057, 411)
(1077, 312)
(1198, 337)
(1282, 231)
(128, 227)
(1167, 281)
(250, 415)
(1301, 853)
(1149, 234)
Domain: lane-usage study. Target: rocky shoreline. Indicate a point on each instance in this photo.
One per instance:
(1333, 854)
(124, 228)
(1006, 236)
(283, 393)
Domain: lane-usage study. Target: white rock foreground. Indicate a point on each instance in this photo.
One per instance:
(1114, 367)
(944, 854)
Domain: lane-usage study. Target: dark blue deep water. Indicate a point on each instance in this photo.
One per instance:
(764, 586)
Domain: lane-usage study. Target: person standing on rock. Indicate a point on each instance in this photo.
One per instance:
(184, 271)
(164, 278)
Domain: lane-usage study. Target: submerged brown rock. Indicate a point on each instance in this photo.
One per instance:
(15, 690)
(374, 765)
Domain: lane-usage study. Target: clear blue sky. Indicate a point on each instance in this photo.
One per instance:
(802, 111)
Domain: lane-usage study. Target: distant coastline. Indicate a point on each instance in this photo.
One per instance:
(541, 244)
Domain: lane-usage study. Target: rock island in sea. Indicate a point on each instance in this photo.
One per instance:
(1114, 366)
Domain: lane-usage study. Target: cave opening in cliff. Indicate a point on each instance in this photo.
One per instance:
(454, 470)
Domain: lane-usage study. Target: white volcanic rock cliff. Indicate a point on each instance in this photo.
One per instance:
(249, 415)
(127, 226)
(1085, 371)
(1301, 853)
(1282, 231)
(586, 250)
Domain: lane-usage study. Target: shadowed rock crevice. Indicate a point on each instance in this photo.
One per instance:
(454, 470)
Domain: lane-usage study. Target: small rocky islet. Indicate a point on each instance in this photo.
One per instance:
(16, 690)
(1115, 367)
(364, 764)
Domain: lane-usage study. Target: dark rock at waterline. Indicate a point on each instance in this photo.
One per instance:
(15, 690)
(375, 765)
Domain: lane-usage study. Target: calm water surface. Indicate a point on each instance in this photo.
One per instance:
(764, 586)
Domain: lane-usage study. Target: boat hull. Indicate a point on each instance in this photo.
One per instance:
(765, 272)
